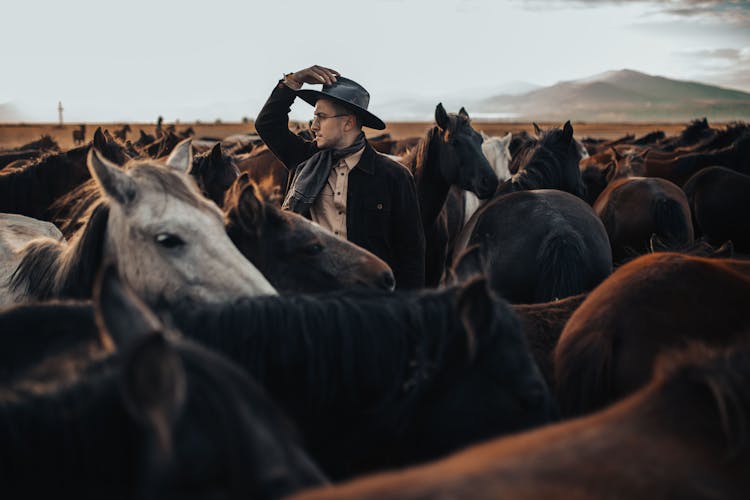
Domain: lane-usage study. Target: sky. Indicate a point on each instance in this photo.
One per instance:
(219, 59)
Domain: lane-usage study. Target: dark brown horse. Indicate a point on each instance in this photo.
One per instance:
(652, 304)
(535, 246)
(679, 169)
(720, 202)
(214, 171)
(294, 254)
(449, 155)
(542, 326)
(633, 209)
(682, 436)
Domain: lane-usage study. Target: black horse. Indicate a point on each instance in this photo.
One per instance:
(535, 246)
(548, 162)
(378, 380)
(33, 189)
(449, 155)
(161, 417)
(214, 171)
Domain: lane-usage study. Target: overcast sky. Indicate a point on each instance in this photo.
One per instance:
(134, 60)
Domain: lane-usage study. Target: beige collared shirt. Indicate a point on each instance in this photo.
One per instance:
(329, 209)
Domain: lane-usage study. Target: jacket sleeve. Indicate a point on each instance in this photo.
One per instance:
(272, 125)
(408, 236)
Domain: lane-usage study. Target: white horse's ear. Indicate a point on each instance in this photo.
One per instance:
(115, 183)
(484, 136)
(181, 157)
(507, 138)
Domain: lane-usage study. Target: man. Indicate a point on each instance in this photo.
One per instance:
(338, 180)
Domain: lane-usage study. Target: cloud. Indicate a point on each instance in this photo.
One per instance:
(727, 67)
(732, 11)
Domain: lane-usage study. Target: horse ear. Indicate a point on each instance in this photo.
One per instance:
(507, 138)
(100, 142)
(216, 156)
(119, 313)
(115, 183)
(616, 154)
(609, 171)
(484, 136)
(108, 136)
(537, 129)
(181, 157)
(464, 113)
(154, 386)
(568, 131)
(251, 208)
(725, 251)
(441, 117)
(475, 307)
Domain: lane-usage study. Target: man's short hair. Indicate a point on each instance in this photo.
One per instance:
(342, 109)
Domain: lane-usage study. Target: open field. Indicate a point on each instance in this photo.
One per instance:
(14, 135)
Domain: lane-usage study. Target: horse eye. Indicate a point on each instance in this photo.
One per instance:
(168, 240)
(313, 249)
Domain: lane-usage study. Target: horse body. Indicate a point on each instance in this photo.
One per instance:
(376, 379)
(268, 173)
(683, 436)
(633, 209)
(720, 203)
(293, 253)
(535, 246)
(450, 154)
(168, 242)
(651, 304)
(160, 418)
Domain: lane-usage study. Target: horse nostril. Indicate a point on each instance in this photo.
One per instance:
(387, 280)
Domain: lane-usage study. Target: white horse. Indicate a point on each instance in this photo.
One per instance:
(166, 240)
(497, 152)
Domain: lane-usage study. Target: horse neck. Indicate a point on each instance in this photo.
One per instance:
(75, 437)
(543, 171)
(432, 187)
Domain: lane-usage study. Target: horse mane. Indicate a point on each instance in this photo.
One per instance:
(44, 143)
(363, 348)
(88, 403)
(720, 377)
(51, 268)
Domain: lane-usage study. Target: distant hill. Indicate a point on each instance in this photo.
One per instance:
(624, 95)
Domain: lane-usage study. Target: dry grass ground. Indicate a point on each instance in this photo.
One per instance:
(14, 135)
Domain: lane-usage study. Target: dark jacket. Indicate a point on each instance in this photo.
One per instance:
(382, 211)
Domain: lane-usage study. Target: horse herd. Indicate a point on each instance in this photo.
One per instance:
(166, 330)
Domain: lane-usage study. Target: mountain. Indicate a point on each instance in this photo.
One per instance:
(624, 95)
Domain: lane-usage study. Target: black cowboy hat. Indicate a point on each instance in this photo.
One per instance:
(348, 93)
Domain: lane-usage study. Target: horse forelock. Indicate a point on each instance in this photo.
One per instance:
(153, 175)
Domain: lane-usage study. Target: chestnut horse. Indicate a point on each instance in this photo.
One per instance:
(651, 304)
(682, 436)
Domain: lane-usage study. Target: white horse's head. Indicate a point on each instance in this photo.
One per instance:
(497, 151)
(167, 240)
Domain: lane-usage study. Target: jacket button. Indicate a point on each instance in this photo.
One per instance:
(379, 206)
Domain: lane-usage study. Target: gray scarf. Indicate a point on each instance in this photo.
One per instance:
(311, 175)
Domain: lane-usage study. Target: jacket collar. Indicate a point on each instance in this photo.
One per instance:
(365, 163)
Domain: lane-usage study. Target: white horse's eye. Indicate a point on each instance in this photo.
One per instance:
(168, 240)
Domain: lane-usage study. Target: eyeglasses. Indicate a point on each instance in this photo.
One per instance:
(319, 118)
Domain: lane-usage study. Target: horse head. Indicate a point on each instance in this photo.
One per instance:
(214, 172)
(462, 161)
(295, 254)
(209, 425)
(167, 240)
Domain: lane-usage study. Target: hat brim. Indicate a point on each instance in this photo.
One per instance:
(369, 120)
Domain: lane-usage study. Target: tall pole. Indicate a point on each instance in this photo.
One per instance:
(60, 112)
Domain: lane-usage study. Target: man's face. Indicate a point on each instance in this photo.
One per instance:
(328, 124)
